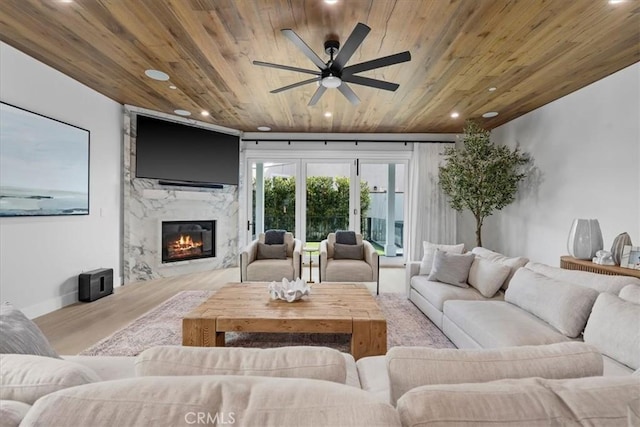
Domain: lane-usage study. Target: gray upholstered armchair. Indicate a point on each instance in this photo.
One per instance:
(266, 263)
(350, 264)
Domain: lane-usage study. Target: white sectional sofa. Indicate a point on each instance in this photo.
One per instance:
(540, 305)
(558, 384)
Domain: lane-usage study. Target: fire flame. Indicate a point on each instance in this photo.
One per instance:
(185, 243)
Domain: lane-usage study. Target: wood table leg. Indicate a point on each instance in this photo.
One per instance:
(200, 332)
(369, 338)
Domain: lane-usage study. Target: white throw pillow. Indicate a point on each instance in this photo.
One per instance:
(429, 250)
(487, 276)
(452, 269)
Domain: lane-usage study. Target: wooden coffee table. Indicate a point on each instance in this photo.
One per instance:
(331, 308)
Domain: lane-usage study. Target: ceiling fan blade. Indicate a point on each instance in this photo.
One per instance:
(286, 67)
(316, 96)
(302, 83)
(349, 94)
(385, 61)
(349, 47)
(291, 35)
(365, 81)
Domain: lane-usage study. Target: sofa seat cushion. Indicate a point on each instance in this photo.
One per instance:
(320, 363)
(26, 378)
(338, 270)
(264, 270)
(593, 401)
(494, 324)
(411, 367)
(437, 292)
(241, 401)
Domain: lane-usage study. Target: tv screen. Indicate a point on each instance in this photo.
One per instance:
(174, 152)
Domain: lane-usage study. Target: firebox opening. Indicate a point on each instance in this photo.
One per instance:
(184, 240)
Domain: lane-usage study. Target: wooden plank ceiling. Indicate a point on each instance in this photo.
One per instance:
(532, 51)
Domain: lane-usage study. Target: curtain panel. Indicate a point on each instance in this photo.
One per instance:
(430, 218)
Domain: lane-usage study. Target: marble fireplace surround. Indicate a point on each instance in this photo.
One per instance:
(147, 203)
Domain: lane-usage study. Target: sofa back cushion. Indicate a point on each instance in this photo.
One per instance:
(429, 251)
(530, 402)
(214, 400)
(513, 263)
(614, 328)
(563, 305)
(487, 276)
(26, 378)
(411, 367)
(320, 363)
(599, 282)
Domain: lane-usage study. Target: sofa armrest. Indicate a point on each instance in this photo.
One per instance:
(372, 258)
(412, 269)
(411, 367)
(323, 260)
(297, 258)
(247, 256)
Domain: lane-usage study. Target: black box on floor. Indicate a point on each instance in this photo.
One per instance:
(95, 284)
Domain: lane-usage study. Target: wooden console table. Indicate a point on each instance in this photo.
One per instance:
(570, 263)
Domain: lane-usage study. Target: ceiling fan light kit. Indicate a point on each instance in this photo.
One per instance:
(334, 74)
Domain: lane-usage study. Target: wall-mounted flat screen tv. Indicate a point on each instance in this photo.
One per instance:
(174, 152)
(44, 165)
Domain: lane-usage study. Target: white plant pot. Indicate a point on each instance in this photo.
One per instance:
(585, 238)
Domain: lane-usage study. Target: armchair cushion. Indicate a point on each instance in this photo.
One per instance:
(274, 237)
(348, 251)
(272, 251)
(346, 237)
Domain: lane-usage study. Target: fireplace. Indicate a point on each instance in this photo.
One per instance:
(184, 240)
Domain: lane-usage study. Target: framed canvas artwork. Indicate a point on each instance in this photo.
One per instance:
(44, 165)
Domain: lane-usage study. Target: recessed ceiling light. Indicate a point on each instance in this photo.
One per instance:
(490, 114)
(65, 1)
(491, 89)
(182, 112)
(157, 75)
(264, 128)
(328, 114)
(331, 1)
(455, 115)
(174, 87)
(204, 113)
(616, 1)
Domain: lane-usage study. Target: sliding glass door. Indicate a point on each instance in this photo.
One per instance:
(273, 197)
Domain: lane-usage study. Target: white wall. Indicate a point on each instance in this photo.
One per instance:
(41, 257)
(586, 149)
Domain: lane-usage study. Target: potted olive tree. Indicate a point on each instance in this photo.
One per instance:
(481, 177)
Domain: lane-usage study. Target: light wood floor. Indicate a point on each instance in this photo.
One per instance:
(78, 326)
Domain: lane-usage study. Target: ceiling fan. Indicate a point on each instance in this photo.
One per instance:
(334, 73)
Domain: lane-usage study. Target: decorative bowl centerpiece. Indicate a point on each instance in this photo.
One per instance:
(289, 291)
